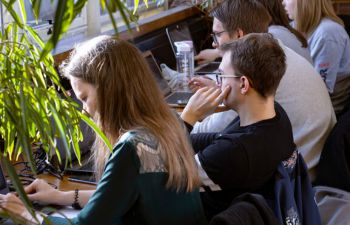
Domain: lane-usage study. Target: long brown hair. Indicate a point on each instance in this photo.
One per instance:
(128, 98)
(309, 13)
(280, 17)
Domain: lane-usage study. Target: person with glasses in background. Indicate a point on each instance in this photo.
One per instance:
(301, 92)
(243, 157)
(279, 27)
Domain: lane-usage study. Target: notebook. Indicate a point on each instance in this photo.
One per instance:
(176, 99)
(181, 32)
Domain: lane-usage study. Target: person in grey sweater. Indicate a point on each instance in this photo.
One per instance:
(301, 93)
(291, 41)
(329, 45)
(282, 30)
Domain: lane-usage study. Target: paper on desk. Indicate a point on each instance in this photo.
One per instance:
(67, 211)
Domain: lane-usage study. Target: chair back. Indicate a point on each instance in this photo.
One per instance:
(293, 198)
(333, 169)
(246, 209)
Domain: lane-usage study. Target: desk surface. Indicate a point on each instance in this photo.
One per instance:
(66, 185)
(63, 185)
(179, 109)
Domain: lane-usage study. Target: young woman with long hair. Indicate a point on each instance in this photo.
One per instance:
(329, 44)
(150, 177)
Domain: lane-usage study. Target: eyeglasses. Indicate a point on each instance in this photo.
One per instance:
(220, 76)
(215, 36)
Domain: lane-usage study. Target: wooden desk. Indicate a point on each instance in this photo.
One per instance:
(66, 185)
(63, 185)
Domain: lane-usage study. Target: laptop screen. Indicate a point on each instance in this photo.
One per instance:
(162, 83)
(3, 185)
(179, 32)
(85, 145)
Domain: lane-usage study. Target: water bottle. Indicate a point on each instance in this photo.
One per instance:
(185, 64)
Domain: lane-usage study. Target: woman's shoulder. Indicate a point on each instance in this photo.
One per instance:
(139, 135)
(329, 29)
(147, 148)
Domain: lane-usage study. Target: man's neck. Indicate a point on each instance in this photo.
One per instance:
(254, 110)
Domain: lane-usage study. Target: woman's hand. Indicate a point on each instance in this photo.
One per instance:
(203, 103)
(11, 204)
(43, 193)
(200, 82)
(207, 55)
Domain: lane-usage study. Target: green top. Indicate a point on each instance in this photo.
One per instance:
(132, 190)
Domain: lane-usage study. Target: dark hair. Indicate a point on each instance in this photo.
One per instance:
(248, 15)
(280, 17)
(260, 58)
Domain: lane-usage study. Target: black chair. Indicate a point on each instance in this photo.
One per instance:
(333, 169)
(246, 209)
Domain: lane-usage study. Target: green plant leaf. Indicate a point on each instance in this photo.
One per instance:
(22, 9)
(36, 8)
(35, 36)
(11, 172)
(122, 9)
(136, 5)
(103, 4)
(78, 6)
(146, 2)
(96, 129)
(9, 8)
(62, 131)
(110, 13)
(63, 19)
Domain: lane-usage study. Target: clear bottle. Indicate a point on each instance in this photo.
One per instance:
(185, 64)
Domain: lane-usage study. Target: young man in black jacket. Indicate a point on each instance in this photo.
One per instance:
(245, 156)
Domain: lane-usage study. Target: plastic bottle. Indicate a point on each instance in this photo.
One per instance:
(185, 64)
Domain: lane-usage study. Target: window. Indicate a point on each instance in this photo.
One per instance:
(90, 22)
(47, 16)
(142, 9)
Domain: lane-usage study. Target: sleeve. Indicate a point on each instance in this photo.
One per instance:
(223, 165)
(327, 56)
(202, 140)
(188, 126)
(116, 192)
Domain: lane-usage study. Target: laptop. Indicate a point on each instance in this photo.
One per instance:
(4, 189)
(176, 99)
(85, 148)
(181, 32)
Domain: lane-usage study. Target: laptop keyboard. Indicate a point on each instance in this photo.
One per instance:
(179, 98)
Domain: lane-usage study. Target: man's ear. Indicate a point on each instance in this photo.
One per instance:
(245, 85)
(240, 33)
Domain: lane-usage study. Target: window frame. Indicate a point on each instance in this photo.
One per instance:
(79, 29)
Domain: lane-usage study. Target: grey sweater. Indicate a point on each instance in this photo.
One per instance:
(290, 40)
